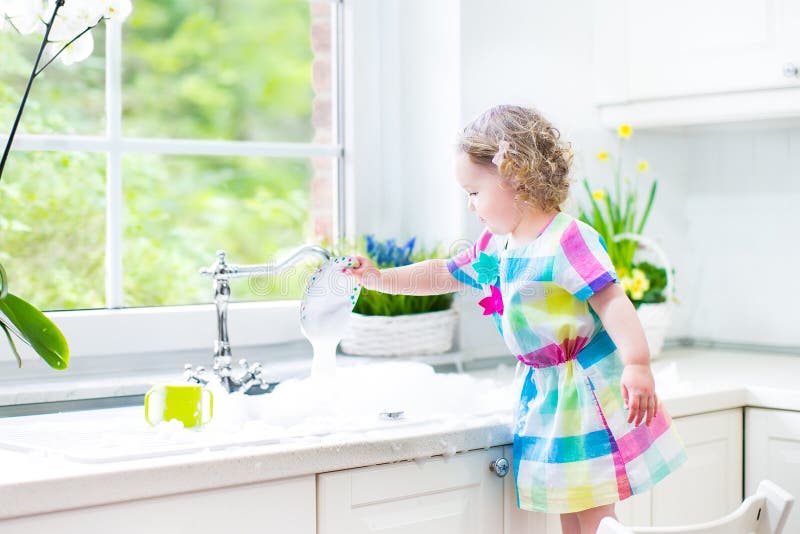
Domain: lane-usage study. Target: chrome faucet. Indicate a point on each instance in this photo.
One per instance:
(251, 379)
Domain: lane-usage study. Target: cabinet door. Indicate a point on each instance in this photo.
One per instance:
(285, 506)
(706, 487)
(684, 47)
(441, 495)
(772, 451)
(709, 484)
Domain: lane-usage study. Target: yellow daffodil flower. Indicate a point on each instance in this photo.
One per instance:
(599, 195)
(602, 156)
(624, 131)
(627, 283)
(639, 284)
(643, 165)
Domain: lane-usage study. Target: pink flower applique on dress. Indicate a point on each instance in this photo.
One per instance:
(493, 303)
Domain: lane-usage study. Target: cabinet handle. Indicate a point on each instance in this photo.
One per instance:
(500, 467)
(790, 70)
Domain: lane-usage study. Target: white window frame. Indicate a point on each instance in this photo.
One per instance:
(115, 330)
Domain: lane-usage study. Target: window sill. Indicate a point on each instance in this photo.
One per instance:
(97, 382)
(173, 328)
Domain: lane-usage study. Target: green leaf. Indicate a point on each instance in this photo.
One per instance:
(613, 214)
(3, 282)
(377, 303)
(583, 217)
(599, 223)
(37, 330)
(646, 213)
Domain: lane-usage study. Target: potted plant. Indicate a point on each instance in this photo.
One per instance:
(399, 325)
(615, 215)
(66, 28)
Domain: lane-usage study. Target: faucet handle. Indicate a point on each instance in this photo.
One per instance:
(254, 382)
(256, 370)
(250, 372)
(219, 267)
(195, 375)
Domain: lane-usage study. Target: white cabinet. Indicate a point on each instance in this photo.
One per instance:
(441, 495)
(686, 62)
(707, 486)
(285, 506)
(773, 452)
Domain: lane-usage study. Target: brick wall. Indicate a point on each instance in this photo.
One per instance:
(322, 186)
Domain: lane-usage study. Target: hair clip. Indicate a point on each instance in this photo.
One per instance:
(502, 147)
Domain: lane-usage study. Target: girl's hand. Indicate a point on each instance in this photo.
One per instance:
(366, 272)
(639, 393)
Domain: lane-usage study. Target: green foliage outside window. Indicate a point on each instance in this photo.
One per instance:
(233, 70)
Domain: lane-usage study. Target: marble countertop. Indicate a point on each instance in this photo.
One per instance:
(689, 381)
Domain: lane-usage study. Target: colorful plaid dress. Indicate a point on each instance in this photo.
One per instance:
(573, 447)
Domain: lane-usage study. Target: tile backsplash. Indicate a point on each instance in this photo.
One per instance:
(737, 262)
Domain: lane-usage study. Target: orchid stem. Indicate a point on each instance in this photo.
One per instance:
(62, 49)
(11, 344)
(34, 72)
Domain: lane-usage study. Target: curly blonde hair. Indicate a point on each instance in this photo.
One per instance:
(536, 163)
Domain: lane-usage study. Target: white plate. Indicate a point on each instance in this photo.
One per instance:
(329, 298)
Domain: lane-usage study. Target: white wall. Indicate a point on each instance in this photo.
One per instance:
(741, 271)
(406, 91)
(537, 54)
(724, 207)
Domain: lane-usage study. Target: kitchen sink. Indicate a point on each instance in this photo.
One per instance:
(360, 401)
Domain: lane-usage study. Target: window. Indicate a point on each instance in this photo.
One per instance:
(196, 126)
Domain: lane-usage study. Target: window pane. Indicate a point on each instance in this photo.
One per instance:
(181, 210)
(236, 70)
(64, 99)
(52, 228)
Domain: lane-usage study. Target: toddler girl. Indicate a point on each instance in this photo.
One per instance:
(551, 289)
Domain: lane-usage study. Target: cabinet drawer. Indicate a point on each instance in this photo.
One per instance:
(457, 494)
(285, 506)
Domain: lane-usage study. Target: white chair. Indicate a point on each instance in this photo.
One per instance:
(765, 512)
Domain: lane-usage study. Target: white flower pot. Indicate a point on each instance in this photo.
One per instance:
(655, 319)
(400, 335)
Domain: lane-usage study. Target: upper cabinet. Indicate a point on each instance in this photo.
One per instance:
(684, 62)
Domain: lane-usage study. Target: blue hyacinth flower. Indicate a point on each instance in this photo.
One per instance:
(389, 253)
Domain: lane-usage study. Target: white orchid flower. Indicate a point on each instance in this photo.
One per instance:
(77, 51)
(73, 18)
(24, 15)
(117, 10)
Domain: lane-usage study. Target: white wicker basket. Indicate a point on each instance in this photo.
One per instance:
(400, 335)
(655, 318)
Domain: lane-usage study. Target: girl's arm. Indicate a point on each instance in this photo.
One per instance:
(429, 277)
(621, 322)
